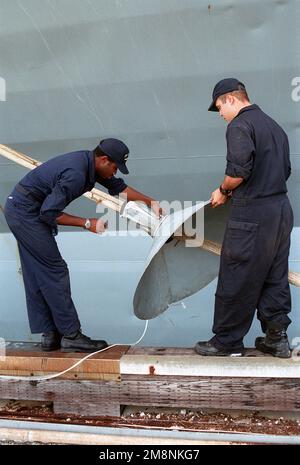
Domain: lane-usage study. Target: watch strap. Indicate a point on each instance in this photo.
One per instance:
(224, 191)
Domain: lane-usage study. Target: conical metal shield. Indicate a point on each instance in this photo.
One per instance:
(177, 268)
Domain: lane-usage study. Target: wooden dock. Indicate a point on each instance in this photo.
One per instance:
(160, 377)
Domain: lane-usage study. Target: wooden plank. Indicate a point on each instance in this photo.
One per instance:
(87, 409)
(88, 398)
(185, 362)
(68, 375)
(189, 392)
(18, 359)
(212, 392)
(60, 390)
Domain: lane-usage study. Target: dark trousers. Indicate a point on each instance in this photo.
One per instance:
(253, 269)
(45, 273)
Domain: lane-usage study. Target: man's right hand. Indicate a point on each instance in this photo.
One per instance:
(97, 226)
(218, 199)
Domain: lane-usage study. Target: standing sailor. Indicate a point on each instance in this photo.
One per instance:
(254, 260)
(33, 211)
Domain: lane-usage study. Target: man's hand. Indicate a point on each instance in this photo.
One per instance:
(159, 212)
(133, 195)
(218, 199)
(97, 226)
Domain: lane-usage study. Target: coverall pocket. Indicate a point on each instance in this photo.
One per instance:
(25, 207)
(240, 240)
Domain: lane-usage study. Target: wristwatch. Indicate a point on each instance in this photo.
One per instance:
(223, 191)
(87, 224)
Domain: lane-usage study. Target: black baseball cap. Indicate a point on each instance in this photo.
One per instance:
(117, 151)
(223, 87)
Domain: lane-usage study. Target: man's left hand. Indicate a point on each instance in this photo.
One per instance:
(218, 199)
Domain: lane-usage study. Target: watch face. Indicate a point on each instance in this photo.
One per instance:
(87, 224)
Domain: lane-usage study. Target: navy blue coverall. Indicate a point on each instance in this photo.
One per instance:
(31, 211)
(254, 260)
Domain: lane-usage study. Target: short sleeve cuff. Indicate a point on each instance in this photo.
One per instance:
(237, 171)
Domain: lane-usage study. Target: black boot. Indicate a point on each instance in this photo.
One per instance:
(275, 343)
(50, 340)
(78, 342)
(209, 349)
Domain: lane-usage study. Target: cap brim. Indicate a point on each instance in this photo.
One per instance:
(212, 107)
(122, 168)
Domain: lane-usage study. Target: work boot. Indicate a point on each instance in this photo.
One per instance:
(209, 349)
(78, 342)
(275, 343)
(50, 340)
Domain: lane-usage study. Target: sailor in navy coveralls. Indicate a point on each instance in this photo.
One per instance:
(34, 209)
(254, 260)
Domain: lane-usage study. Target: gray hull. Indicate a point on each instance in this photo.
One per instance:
(80, 70)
